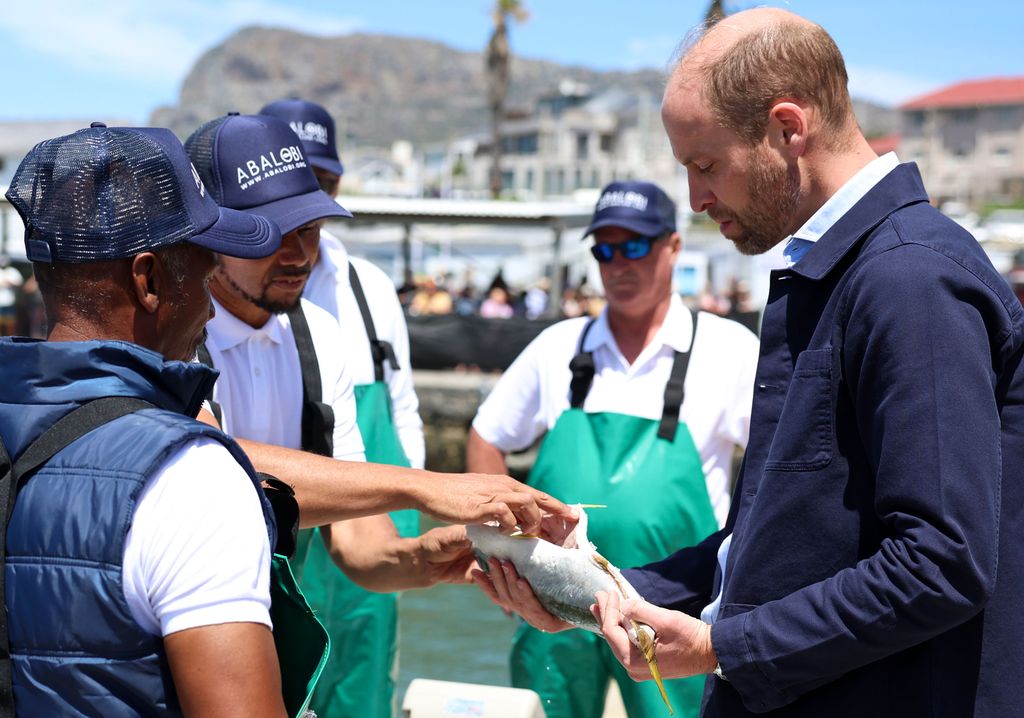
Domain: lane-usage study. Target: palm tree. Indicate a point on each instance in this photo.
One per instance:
(715, 12)
(497, 65)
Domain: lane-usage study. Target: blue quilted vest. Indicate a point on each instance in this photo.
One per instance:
(76, 649)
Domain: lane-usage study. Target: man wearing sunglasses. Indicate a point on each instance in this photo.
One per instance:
(641, 410)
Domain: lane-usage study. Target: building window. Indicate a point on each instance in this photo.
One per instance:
(508, 179)
(1002, 156)
(960, 154)
(582, 145)
(577, 181)
(915, 118)
(528, 184)
(549, 182)
(520, 144)
(595, 179)
(1008, 115)
(607, 143)
(964, 115)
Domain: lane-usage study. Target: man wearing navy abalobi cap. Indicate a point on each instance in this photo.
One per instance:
(362, 298)
(656, 452)
(286, 379)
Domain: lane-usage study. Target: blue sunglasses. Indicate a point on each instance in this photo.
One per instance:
(636, 247)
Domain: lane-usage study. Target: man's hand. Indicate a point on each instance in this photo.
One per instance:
(508, 589)
(682, 643)
(444, 555)
(479, 498)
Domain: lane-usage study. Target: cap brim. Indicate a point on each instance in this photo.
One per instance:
(291, 213)
(647, 229)
(327, 163)
(239, 234)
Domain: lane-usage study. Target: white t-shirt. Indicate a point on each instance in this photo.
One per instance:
(197, 552)
(534, 391)
(329, 287)
(260, 383)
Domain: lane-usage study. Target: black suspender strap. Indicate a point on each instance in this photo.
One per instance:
(68, 429)
(582, 368)
(379, 349)
(674, 389)
(203, 354)
(317, 417)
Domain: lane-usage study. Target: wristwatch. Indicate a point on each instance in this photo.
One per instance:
(718, 672)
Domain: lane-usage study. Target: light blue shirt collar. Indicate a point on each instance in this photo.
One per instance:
(837, 205)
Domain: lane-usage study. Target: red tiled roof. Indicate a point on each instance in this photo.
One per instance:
(972, 93)
(885, 143)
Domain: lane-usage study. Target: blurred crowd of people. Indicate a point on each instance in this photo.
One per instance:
(21, 306)
(442, 294)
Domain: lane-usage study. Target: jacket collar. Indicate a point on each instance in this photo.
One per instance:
(676, 331)
(42, 381)
(899, 188)
(226, 331)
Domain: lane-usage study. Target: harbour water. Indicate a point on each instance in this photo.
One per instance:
(452, 633)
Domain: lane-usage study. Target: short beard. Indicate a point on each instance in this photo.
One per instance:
(774, 191)
(261, 301)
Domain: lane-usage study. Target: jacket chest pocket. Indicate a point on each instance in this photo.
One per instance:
(803, 435)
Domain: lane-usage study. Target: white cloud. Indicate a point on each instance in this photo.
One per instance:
(886, 87)
(142, 40)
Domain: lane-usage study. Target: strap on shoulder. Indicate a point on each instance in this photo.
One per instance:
(674, 389)
(71, 427)
(582, 368)
(379, 349)
(317, 417)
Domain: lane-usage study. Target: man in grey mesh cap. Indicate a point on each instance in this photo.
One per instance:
(138, 554)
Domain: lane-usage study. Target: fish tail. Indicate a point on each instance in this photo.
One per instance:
(646, 645)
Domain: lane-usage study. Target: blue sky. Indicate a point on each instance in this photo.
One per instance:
(122, 58)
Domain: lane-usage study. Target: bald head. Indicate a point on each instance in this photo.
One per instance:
(744, 64)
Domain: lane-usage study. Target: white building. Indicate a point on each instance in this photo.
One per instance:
(968, 140)
(574, 140)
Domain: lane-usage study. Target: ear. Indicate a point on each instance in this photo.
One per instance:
(675, 241)
(788, 127)
(145, 280)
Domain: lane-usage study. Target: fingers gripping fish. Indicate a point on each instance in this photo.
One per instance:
(565, 579)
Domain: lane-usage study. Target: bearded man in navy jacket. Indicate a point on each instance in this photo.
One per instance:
(871, 564)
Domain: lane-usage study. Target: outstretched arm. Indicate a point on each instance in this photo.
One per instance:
(329, 490)
(372, 554)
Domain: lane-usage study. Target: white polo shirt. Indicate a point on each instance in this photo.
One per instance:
(533, 392)
(329, 287)
(197, 553)
(260, 383)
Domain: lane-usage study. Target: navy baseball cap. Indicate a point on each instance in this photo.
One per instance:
(640, 207)
(314, 126)
(112, 192)
(255, 163)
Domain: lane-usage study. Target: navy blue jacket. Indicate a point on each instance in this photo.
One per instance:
(76, 648)
(876, 562)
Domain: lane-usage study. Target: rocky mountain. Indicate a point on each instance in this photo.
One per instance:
(382, 88)
(379, 88)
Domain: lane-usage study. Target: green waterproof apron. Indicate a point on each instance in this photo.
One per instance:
(359, 682)
(302, 642)
(649, 475)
